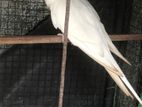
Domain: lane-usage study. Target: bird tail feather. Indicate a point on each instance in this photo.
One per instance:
(109, 63)
(116, 52)
(117, 75)
(112, 46)
(119, 82)
(124, 85)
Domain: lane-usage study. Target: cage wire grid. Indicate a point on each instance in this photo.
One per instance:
(17, 17)
(29, 74)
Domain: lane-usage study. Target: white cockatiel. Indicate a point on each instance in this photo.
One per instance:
(88, 33)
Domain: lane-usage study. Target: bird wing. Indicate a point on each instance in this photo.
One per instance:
(111, 45)
(105, 59)
(87, 32)
(91, 38)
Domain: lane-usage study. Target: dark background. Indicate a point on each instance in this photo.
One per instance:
(29, 74)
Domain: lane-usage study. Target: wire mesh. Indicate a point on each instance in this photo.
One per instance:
(29, 74)
(17, 17)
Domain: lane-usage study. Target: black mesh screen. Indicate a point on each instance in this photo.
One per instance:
(30, 74)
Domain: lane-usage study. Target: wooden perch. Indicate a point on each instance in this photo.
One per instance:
(39, 39)
(126, 37)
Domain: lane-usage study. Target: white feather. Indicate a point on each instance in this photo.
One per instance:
(87, 32)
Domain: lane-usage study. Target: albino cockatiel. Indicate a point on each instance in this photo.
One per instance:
(88, 33)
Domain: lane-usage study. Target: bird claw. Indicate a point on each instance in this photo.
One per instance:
(60, 34)
(63, 38)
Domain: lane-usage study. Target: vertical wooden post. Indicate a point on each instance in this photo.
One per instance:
(64, 55)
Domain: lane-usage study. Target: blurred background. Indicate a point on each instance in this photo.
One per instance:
(30, 74)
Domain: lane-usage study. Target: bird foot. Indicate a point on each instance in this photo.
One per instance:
(60, 34)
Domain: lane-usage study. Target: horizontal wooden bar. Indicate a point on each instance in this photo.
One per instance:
(30, 39)
(126, 37)
(39, 39)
